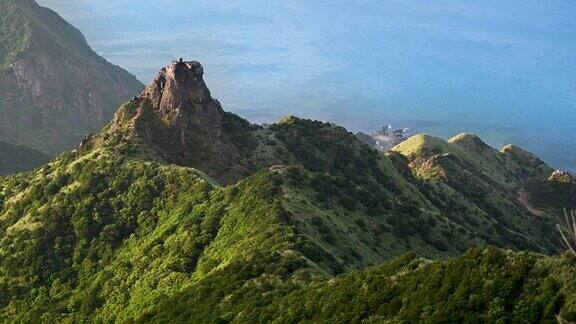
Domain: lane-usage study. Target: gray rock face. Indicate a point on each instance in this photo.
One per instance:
(179, 94)
(53, 88)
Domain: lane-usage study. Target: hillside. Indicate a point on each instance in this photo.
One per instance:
(485, 286)
(180, 211)
(551, 196)
(102, 237)
(14, 159)
(508, 169)
(53, 88)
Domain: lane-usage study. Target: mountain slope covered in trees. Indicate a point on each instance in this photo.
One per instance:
(481, 286)
(179, 211)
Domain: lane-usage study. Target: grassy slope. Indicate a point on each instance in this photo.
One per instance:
(501, 168)
(107, 237)
(67, 220)
(485, 178)
(355, 195)
(96, 235)
(175, 246)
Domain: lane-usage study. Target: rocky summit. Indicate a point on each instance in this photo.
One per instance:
(561, 176)
(178, 118)
(53, 87)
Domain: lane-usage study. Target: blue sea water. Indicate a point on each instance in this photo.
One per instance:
(504, 70)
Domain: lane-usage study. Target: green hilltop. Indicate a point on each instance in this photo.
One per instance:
(509, 167)
(182, 212)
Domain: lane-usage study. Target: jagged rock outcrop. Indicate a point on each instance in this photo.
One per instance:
(53, 87)
(189, 129)
(176, 120)
(561, 176)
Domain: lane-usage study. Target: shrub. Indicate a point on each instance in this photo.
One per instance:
(568, 231)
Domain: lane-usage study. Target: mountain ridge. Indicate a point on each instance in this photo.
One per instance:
(124, 228)
(176, 112)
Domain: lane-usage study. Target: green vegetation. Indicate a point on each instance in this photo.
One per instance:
(298, 221)
(109, 233)
(14, 34)
(509, 168)
(99, 237)
(552, 196)
(481, 286)
(64, 223)
(365, 138)
(568, 231)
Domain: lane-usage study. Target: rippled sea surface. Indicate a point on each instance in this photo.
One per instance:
(501, 69)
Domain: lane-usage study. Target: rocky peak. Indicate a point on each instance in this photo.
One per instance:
(561, 176)
(177, 120)
(179, 91)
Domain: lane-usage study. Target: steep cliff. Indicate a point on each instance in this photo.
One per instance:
(53, 87)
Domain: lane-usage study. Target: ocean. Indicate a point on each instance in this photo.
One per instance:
(503, 70)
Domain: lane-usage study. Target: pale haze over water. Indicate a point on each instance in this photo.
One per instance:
(504, 70)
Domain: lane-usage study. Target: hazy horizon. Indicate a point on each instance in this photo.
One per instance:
(503, 71)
